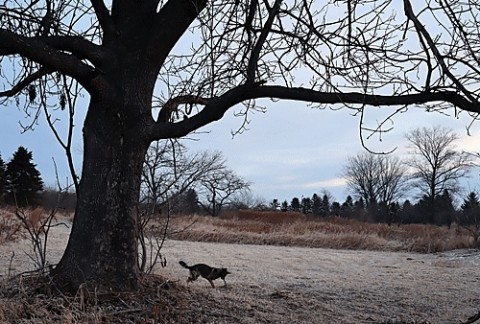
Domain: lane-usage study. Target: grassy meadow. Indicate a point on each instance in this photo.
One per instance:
(288, 229)
(295, 229)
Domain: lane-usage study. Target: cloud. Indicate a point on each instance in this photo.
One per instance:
(327, 184)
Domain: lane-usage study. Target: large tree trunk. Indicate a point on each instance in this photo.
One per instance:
(102, 249)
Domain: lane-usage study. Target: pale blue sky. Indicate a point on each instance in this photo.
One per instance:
(290, 150)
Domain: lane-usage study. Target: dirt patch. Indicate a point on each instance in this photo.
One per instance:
(272, 284)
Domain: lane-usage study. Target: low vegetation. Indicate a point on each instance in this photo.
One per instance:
(295, 229)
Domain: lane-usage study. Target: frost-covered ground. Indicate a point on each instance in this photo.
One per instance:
(272, 284)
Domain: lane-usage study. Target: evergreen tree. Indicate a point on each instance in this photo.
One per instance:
(335, 208)
(295, 204)
(284, 207)
(185, 203)
(2, 178)
(325, 209)
(407, 212)
(316, 205)
(191, 201)
(23, 181)
(306, 205)
(470, 214)
(444, 210)
(423, 211)
(274, 205)
(359, 210)
(346, 210)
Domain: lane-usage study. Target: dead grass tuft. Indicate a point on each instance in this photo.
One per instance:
(24, 299)
(10, 228)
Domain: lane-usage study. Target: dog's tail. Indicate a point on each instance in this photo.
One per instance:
(183, 264)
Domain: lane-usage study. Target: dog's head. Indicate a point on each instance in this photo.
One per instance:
(223, 272)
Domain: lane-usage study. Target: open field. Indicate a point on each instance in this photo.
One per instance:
(290, 284)
(294, 229)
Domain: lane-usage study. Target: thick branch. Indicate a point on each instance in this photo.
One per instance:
(171, 23)
(103, 16)
(216, 107)
(252, 64)
(40, 52)
(80, 48)
(171, 106)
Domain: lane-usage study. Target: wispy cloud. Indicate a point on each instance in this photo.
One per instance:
(329, 183)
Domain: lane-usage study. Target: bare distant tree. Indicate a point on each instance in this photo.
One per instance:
(170, 170)
(218, 187)
(376, 178)
(245, 199)
(436, 164)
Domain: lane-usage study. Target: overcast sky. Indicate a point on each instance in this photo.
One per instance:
(289, 151)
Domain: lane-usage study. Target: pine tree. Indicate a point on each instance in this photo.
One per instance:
(275, 204)
(444, 210)
(316, 205)
(306, 205)
(470, 210)
(191, 202)
(284, 207)
(23, 181)
(325, 209)
(295, 204)
(346, 209)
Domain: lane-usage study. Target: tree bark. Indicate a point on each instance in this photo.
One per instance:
(102, 248)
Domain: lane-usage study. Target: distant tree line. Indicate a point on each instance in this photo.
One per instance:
(378, 181)
(173, 179)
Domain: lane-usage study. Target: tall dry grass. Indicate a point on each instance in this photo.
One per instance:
(294, 229)
(10, 228)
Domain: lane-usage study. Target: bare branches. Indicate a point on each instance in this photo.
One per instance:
(215, 55)
(217, 107)
(437, 166)
(252, 64)
(431, 44)
(36, 50)
(25, 82)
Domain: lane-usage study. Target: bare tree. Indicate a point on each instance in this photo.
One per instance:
(218, 187)
(169, 172)
(201, 58)
(436, 164)
(376, 178)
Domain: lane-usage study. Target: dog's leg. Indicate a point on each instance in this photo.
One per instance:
(211, 283)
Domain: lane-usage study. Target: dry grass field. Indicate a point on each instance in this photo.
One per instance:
(285, 269)
(294, 229)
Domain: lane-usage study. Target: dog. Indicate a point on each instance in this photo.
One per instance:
(207, 272)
